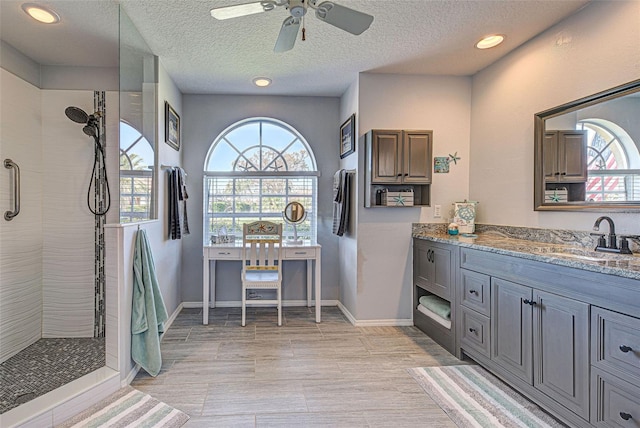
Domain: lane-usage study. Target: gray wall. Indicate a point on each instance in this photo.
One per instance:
(204, 118)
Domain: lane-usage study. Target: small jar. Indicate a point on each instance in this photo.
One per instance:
(452, 229)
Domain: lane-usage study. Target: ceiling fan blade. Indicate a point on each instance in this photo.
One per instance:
(344, 18)
(288, 34)
(244, 9)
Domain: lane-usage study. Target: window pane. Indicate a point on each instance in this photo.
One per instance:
(223, 158)
(273, 204)
(276, 136)
(247, 186)
(244, 136)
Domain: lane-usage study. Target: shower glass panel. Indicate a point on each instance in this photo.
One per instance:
(138, 119)
(52, 252)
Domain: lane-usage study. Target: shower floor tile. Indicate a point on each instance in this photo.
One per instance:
(45, 366)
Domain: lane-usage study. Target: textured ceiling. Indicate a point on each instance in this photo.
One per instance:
(204, 55)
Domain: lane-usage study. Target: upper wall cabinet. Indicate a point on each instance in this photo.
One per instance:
(565, 156)
(398, 161)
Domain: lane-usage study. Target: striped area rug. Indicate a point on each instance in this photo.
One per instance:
(128, 408)
(472, 397)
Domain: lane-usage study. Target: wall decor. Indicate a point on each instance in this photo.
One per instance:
(171, 126)
(348, 137)
(441, 164)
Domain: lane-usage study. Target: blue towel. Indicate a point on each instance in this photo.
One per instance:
(148, 312)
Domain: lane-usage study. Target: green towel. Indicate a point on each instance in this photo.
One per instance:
(437, 305)
(148, 312)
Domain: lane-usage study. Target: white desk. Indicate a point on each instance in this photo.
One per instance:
(220, 252)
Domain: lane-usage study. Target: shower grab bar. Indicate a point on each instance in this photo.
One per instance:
(9, 164)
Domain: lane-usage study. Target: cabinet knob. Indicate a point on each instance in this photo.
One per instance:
(557, 173)
(472, 330)
(529, 302)
(406, 174)
(625, 416)
(564, 173)
(625, 348)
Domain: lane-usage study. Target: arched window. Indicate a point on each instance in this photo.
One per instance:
(611, 158)
(253, 169)
(136, 175)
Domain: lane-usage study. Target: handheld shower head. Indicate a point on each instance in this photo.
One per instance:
(76, 114)
(90, 129)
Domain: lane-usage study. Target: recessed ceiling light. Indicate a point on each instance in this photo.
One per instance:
(262, 81)
(490, 41)
(41, 13)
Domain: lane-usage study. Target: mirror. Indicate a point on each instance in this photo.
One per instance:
(587, 153)
(294, 214)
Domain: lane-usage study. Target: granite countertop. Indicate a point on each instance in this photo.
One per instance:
(564, 248)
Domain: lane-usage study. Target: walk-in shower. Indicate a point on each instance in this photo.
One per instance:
(52, 287)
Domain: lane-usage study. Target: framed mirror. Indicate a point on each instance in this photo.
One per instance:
(294, 214)
(587, 153)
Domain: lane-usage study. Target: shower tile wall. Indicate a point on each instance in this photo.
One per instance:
(68, 225)
(21, 243)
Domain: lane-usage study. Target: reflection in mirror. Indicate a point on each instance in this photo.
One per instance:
(588, 152)
(138, 118)
(294, 214)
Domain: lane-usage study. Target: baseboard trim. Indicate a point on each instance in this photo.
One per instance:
(238, 303)
(374, 323)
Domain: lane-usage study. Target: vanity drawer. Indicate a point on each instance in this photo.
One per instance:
(225, 253)
(475, 331)
(615, 342)
(475, 291)
(615, 402)
(299, 253)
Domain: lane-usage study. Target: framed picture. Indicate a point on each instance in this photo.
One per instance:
(171, 126)
(348, 137)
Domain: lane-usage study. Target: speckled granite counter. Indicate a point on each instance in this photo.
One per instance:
(561, 247)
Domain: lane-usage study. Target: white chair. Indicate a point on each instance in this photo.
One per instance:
(262, 263)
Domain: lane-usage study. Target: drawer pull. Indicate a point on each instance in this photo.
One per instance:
(529, 302)
(473, 292)
(220, 253)
(625, 416)
(472, 330)
(300, 252)
(625, 348)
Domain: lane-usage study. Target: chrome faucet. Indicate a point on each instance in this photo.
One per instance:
(613, 243)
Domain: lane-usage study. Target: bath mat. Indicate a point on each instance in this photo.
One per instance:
(128, 407)
(473, 397)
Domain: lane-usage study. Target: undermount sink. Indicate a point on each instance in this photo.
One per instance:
(579, 257)
(587, 255)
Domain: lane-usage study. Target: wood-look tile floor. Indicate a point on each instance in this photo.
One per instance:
(299, 374)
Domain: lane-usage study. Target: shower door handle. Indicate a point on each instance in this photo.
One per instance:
(9, 164)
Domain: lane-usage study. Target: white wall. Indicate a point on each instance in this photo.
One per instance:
(204, 118)
(21, 242)
(441, 104)
(595, 49)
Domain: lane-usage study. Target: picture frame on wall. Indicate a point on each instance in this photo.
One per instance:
(171, 127)
(348, 137)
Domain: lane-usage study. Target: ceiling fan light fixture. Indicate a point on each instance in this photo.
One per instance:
(490, 41)
(41, 13)
(262, 82)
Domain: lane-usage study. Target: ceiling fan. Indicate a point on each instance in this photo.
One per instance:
(339, 16)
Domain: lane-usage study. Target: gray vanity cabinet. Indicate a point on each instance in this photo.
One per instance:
(400, 157)
(511, 328)
(565, 156)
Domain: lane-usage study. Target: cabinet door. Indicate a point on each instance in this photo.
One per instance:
(572, 156)
(417, 157)
(511, 328)
(432, 269)
(561, 350)
(386, 155)
(550, 156)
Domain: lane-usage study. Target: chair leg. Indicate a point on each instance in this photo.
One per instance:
(244, 305)
(279, 306)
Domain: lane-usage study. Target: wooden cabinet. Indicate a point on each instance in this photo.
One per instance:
(399, 157)
(565, 156)
(398, 160)
(433, 274)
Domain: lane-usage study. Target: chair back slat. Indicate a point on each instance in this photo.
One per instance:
(262, 243)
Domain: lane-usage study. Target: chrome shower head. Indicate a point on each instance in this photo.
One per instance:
(76, 114)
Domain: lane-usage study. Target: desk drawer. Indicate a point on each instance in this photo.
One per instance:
(299, 253)
(225, 253)
(615, 342)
